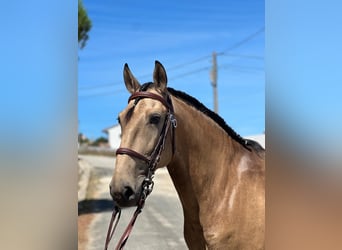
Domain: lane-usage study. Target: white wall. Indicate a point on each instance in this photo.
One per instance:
(259, 138)
(114, 137)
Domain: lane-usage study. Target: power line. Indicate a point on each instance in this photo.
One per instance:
(226, 66)
(146, 75)
(102, 94)
(189, 63)
(99, 86)
(190, 73)
(178, 66)
(243, 41)
(244, 56)
(122, 90)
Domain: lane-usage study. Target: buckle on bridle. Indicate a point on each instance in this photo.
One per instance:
(173, 120)
(147, 187)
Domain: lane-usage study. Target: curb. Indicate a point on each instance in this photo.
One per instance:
(84, 169)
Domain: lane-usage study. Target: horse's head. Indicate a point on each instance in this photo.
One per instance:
(143, 124)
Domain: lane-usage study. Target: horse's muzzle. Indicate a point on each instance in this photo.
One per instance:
(124, 197)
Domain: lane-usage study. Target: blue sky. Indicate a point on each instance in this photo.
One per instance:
(182, 35)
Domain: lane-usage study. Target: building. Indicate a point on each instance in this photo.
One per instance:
(114, 136)
(259, 138)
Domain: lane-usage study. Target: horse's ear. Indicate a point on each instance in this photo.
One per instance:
(159, 76)
(132, 84)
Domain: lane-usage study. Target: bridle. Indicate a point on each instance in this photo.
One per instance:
(152, 160)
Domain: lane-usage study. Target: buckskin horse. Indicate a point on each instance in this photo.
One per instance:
(219, 176)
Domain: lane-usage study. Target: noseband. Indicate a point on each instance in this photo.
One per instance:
(153, 159)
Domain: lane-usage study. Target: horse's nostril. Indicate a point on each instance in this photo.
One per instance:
(115, 195)
(128, 193)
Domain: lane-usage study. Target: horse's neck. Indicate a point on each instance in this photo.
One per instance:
(202, 148)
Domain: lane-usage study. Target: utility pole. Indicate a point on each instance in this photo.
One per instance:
(213, 77)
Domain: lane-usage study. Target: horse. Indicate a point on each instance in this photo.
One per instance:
(218, 175)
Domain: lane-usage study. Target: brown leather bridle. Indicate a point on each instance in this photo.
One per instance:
(151, 160)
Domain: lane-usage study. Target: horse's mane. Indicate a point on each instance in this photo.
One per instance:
(246, 143)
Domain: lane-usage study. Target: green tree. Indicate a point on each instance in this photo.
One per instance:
(82, 139)
(84, 25)
(99, 141)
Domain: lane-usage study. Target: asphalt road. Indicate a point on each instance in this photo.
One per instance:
(159, 226)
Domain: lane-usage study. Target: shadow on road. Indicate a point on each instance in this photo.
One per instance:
(95, 206)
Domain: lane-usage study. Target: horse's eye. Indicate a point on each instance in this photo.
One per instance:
(154, 119)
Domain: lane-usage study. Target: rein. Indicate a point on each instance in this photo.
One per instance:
(152, 161)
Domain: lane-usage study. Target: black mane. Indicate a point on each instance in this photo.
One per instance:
(246, 143)
(145, 86)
